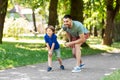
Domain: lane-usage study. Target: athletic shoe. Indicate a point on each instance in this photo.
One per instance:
(62, 67)
(49, 69)
(76, 69)
(82, 65)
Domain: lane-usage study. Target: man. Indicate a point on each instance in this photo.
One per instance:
(77, 35)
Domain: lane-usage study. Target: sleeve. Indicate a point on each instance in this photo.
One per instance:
(45, 38)
(86, 30)
(81, 29)
(54, 38)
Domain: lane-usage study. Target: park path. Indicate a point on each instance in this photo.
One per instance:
(96, 67)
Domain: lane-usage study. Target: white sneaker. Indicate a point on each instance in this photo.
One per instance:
(76, 69)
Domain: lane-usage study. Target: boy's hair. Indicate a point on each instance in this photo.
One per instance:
(51, 27)
(67, 16)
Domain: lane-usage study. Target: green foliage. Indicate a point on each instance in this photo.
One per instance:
(94, 13)
(13, 28)
(33, 4)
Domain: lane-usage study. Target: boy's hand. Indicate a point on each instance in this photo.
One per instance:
(50, 52)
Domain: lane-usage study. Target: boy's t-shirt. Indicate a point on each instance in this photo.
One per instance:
(52, 39)
(76, 29)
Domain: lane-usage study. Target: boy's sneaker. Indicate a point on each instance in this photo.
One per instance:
(76, 69)
(82, 65)
(62, 67)
(49, 69)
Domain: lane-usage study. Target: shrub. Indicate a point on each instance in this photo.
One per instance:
(13, 28)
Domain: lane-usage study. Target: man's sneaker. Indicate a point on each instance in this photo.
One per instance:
(49, 69)
(76, 69)
(82, 65)
(62, 67)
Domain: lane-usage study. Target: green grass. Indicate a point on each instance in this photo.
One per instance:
(15, 53)
(114, 76)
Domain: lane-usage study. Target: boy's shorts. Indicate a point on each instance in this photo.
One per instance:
(57, 52)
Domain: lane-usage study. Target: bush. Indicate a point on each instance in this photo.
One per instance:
(13, 28)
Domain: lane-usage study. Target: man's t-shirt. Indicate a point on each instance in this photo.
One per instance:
(52, 39)
(76, 29)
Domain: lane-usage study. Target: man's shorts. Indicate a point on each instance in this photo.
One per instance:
(87, 35)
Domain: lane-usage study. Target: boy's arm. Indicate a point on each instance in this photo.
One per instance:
(48, 46)
(52, 47)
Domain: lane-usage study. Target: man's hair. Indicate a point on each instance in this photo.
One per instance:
(67, 16)
(51, 27)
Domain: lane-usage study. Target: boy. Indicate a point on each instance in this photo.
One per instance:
(52, 46)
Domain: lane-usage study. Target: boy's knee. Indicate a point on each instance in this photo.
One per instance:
(49, 55)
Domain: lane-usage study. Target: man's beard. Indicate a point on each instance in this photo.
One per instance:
(68, 26)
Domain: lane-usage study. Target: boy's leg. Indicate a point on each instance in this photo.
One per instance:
(57, 52)
(49, 60)
(59, 58)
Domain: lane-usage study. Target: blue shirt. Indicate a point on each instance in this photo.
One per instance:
(52, 39)
(76, 30)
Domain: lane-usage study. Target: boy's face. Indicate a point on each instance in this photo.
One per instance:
(49, 32)
(67, 22)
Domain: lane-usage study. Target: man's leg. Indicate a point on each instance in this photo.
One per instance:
(74, 54)
(78, 57)
(78, 54)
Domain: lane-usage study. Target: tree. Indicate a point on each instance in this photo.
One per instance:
(33, 4)
(113, 7)
(53, 13)
(3, 10)
(77, 10)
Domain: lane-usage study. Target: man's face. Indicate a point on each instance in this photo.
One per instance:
(67, 22)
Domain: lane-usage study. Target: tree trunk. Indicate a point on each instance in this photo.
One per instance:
(108, 29)
(112, 10)
(3, 10)
(95, 31)
(53, 13)
(116, 32)
(77, 10)
(34, 20)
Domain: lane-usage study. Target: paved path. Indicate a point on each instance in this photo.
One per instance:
(96, 67)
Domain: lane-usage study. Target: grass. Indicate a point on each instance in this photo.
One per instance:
(15, 53)
(114, 76)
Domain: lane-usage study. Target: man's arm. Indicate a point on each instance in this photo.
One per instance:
(68, 36)
(78, 41)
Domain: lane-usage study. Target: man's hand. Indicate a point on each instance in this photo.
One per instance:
(68, 44)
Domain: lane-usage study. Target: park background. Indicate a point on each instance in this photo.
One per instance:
(23, 22)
